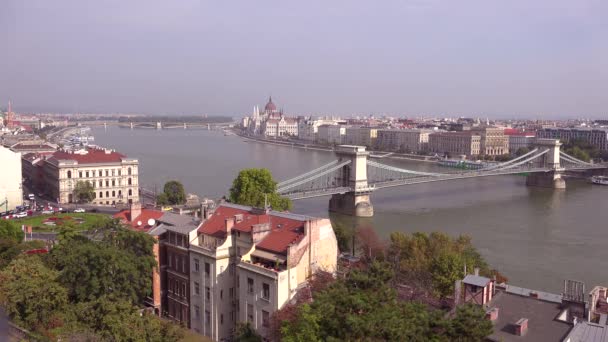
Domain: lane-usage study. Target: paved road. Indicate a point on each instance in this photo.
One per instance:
(4, 333)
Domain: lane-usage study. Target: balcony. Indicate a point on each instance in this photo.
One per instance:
(260, 268)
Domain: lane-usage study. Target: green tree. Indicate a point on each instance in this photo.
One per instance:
(254, 187)
(10, 250)
(10, 231)
(447, 268)
(521, 151)
(246, 333)
(469, 324)
(30, 293)
(303, 329)
(578, 153)
(84, 192)
(162, 199)
(175, 192)
(93, 269)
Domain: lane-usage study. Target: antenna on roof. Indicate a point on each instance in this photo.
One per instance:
(266, 206)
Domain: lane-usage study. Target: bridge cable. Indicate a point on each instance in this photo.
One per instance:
(396, 169)
(337, 167)
(304, 175)
(510, 161)
(573, 159)
(519, 163)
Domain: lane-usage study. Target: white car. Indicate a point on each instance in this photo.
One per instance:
(21, 214)
(79, 210)
(47, 211)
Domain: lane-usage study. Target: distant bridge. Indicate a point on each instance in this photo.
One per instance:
(352, 178)
(160, 124)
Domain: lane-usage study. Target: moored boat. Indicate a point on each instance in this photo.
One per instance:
(600, 180)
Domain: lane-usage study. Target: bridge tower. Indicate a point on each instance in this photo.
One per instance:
(159, 125)
(131, 125)
(354, 175)
(185, 127)
(553, 177)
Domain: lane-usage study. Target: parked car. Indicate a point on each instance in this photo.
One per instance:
(31, 197)
(20, 215)
(79, 210)
(48, 211)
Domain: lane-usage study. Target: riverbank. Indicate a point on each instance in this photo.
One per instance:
(315, 147)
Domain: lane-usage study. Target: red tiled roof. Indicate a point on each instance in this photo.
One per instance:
(146, 214)
(512, 131)
(94, 155)
(284, 230)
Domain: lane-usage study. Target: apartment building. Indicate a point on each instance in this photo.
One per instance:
(281, 127)
(246, 263)
(361, 136)
(455, 143)
(519, 139)
(493, 140)
(403, 140)
(113, 175)
(597, 137)
(11, 193)
(331, 134)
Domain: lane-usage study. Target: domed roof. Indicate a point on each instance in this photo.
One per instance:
(270, 107)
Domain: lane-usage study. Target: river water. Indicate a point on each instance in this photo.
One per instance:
(536, 237)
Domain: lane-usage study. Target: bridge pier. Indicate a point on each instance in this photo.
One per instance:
(159, 125)
(352, 204)
(131, 125)
(551, 179)
(356, 202)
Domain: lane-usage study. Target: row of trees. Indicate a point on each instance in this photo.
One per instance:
(583, 150)
(365, 305)
(83, 289)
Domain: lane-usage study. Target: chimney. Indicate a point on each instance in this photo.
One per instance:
(229, 224)
(521, 327)
(477, 271)
(492, 314)
(135, 210)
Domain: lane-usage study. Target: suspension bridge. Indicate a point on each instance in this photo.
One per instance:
(352, 177)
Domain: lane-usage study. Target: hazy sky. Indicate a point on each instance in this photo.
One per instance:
(538, 58)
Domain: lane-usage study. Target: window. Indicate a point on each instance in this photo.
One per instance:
(101, 184)
(197, 311)
(129, 181)
(79, 174)
(183, 289)
(119, 172)
(231, 292)
(69, 174)
(196, 266)
(130, 192)
(170, 285)
(107, 183)
(113, 172)
(207, 317)
(250, 312)
(87, 173)
(113, 193)
(107, 173)
(249, 285)
(169, 256)
(221, 294)
(119, 193)
(265, 318)
(197, 289)
(207, 269)
(101, 194)
(184, 265)
(107, 194)
(265, 291)
(113, 182)
(129, 171)
(221, 318)
(207, 293)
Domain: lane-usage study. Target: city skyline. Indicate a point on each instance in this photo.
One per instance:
(475, 58)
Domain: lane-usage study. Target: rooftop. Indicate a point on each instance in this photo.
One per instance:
(541, 315)
(141, 222)
(285, 228)
(89, 156)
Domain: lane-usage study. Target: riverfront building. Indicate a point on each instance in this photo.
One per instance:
(406, 140)
(597, 137)
(455, 143)
(361, 136)
(246, 263)
(114, 176)
(331, 134)
(519, 139)
(11, 193)
(493, 141)
(271, 122)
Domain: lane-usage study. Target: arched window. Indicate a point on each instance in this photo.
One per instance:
(129, 171)
(69, 174)
(129, 181)
(119, 193)
(130, 192)
(113, 193)
(101, 194)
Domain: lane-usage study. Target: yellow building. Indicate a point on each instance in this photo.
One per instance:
(493, 140)
(113, 176)
(247, 263)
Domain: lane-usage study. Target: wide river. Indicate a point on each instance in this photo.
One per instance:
(536, 237)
